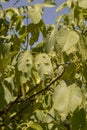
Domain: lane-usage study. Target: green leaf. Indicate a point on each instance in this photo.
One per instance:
(38, 48)
(50, 2)
(67, 39)
(7, 49)
(35, 30)
(43, 65)
(35, 126)
(35, 13)
(2, 95)
(29, 0)
(50, 40)
(4, 0)
(10, 82)
(48, 5)
(5, 61)
(41, 116)
(8, 96)
(60, 18)
(82, 47)
(12, 11)
(78, 120)
(67, 98)
(61, 7)
(83, 3)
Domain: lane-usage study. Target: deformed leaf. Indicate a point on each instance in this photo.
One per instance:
(25, 61)
(43, 65)
(67, 98)
(25, 64)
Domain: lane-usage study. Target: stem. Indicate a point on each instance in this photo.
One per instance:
(16, 2)
(27, 38)
(6, 109)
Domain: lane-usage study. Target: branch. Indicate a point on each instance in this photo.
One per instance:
(29, 99)
(43, 90)
(52, 117)
(27, 38)
(4, 110)
(53, 81)
(18, 113)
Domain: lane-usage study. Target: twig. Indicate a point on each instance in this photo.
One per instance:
(43, 90)
(16, 2)
(29, 99)
(17, 114)
(27, 38)
(52, 117)
(33, 88)
(4, 110)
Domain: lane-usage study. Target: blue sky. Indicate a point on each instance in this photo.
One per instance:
(49, 15)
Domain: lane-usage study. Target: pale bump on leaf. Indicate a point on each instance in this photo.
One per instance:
(43, 65)
(67, 98)
(25, 61)
(25, 64)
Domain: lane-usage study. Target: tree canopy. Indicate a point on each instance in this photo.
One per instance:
(43, 86)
